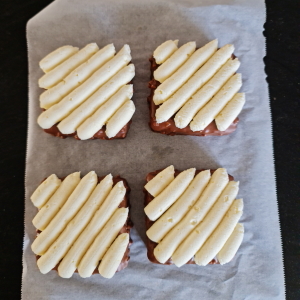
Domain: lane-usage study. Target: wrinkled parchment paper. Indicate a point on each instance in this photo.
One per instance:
(257, 269)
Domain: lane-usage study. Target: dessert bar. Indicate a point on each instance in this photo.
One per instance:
(82, 222)
(194, 91)
(192, 217)
(88, 92)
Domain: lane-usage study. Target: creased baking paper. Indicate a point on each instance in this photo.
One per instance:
(256, 272)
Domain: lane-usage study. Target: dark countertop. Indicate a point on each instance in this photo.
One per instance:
(281, 62)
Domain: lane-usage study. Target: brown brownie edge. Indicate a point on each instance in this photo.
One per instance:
(100, 135)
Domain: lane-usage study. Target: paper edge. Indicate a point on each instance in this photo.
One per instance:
(273, 152)
(26, 159)
(27, 141)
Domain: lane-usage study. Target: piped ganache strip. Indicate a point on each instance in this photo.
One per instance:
(194, 91)
(82, 222)
(192, 217)
(88, 93)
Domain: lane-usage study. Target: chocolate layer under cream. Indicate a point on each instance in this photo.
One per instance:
(98, 135)
(150, 244)
(125, 229)
(169, 127)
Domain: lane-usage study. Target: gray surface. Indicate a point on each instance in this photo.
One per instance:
(257, 270)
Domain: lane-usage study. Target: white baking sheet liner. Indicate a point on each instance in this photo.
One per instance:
(256, 272)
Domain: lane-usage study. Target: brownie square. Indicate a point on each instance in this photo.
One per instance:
(169, 127)
(148, 198)
(125, 229)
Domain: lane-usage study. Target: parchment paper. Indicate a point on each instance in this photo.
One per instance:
(257, 269)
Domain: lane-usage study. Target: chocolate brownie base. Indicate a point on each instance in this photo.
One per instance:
(150, 244)
(125, 229)
(98, 135)
(169, 127)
